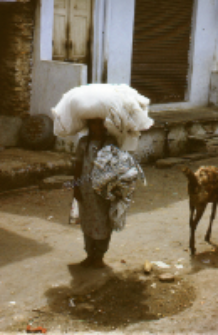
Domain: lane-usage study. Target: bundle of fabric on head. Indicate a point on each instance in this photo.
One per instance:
(124, 110)
(114, 177)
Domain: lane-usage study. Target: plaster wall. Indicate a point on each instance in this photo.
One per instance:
(98, 40)
(55, 78)
(51, 79)
(203, 50)
(215, 56)
(118, 40)
(213, 97)
(151, 145)
(46, 29)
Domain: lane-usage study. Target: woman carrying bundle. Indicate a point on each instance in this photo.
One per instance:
(93, 209)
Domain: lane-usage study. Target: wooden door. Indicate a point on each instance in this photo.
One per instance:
(79, 30)
(71, 32)
(60, 30)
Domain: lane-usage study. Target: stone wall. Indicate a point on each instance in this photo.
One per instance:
(16, 41)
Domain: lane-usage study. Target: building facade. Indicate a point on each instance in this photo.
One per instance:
(167, 50)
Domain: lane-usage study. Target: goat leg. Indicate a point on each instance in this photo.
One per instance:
(193, 225)
(212, 217)
(191, 222)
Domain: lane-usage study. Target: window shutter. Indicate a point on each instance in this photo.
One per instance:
(161, 49)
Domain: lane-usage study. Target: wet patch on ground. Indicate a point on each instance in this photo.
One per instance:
(121, 301)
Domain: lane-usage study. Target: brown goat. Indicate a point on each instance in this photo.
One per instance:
(202, 189)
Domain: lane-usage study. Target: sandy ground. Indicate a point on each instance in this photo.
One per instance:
(42, 284)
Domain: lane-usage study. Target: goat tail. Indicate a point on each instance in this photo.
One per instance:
(191, 176)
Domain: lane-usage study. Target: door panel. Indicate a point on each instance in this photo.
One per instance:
(79, 30)
(82, 5)
(71, 31)
(79, 37)
(60, 30)
(60, 4)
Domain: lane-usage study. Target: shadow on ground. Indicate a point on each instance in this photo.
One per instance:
(164, 188)
(115, 302)
(14, 248)
(204, 260)
(53, 205)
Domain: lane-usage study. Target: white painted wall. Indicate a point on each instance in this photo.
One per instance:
(50, 78)
(203, 52)
(213, 96)
(215, 57)
(118, 40)
(113, 22)
(98, 40)
(112, 46)
(46, 29)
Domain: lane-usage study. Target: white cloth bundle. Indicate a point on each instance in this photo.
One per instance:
(114, 178)
(124, 110)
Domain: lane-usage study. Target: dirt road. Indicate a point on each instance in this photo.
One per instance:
(41, 283)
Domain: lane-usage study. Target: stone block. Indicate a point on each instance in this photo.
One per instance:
(196, 156)
(151, 145)
(215, 128)
(9, 131)
(196, 129)
(197, 143)
(209, 127)
(212, 146)
(166, 277)
(65, 144)
(177, 140)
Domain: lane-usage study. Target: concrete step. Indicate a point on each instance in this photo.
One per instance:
(171, 161)
(20, 168)
(178, 132)
(56, 182)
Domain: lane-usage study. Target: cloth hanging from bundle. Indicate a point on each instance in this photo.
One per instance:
(114, 177)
